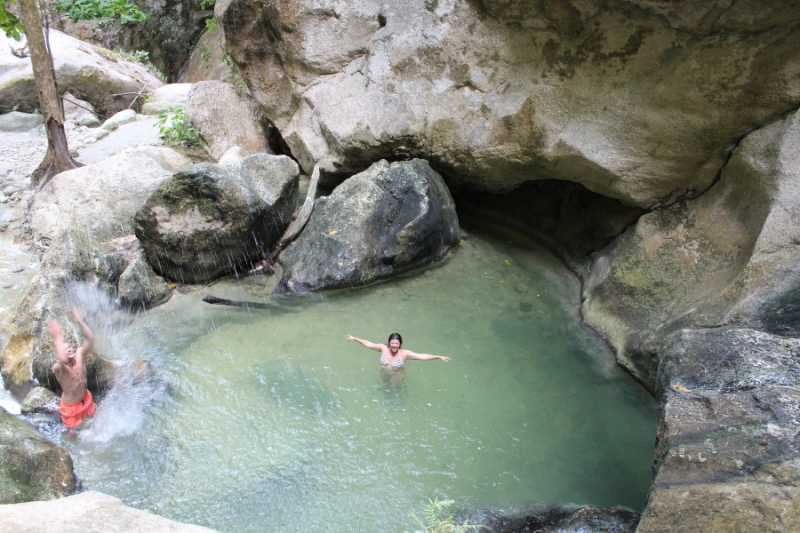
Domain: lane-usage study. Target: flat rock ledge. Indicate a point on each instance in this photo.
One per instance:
(87, 512)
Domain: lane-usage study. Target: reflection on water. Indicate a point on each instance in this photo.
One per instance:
(261, 420)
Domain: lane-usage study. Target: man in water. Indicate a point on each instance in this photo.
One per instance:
(70, 371)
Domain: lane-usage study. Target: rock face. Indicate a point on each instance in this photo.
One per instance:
(637, 100)
(210, 221)
(727, 457)
(81, 68)
(708, 261)
(227, 117)
(100, 200)
(89, 512)
(390, 219)
(207, 61)
(31, 467)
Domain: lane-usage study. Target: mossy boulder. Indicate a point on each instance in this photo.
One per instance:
(32, 468)
(210, 220)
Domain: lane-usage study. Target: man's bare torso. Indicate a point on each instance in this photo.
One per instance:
(72, 379)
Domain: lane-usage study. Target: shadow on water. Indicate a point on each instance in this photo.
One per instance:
(256, 420)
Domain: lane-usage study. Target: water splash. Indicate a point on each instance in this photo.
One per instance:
(120, 410)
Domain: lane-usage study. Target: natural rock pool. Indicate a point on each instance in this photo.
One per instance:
(262, 420)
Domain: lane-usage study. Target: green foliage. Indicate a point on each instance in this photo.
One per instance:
(437, 522)
(9, 23)
(174, 128)
(98, 9)
(205, 4)
(212, 24)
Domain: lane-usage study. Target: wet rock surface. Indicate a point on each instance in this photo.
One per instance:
(140, 288)
(387, 220)
(210, 221)
(728, 454)
(27, 357)
(572, 519)
(31, 466)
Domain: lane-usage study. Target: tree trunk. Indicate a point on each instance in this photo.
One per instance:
(57, 158)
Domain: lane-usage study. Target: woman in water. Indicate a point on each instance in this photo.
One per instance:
(393, 355)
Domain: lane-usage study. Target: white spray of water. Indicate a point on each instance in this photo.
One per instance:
(121, 410)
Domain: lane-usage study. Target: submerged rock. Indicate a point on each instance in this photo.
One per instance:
(31, 467)
(385, 221)
(210, 221)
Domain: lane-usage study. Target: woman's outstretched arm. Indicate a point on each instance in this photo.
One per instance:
(425, 356)
(366, 343)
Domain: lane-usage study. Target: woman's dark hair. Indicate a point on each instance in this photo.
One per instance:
(394, 336)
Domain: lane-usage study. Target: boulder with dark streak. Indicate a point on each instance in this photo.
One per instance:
(387, 220)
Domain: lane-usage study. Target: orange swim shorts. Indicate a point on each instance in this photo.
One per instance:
(72, 413)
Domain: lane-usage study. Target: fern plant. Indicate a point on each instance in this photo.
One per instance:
(437, 521)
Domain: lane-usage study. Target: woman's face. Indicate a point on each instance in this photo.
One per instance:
(394, 345)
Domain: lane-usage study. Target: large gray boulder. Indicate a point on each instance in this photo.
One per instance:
(387, 220)
(638, 100)
(227, 117)
(31, 467)
(87, 512)
(101, 199)
(210, 221)
(729, 256)
(81, 68)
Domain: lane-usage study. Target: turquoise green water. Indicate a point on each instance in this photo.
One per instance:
(271, 421)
